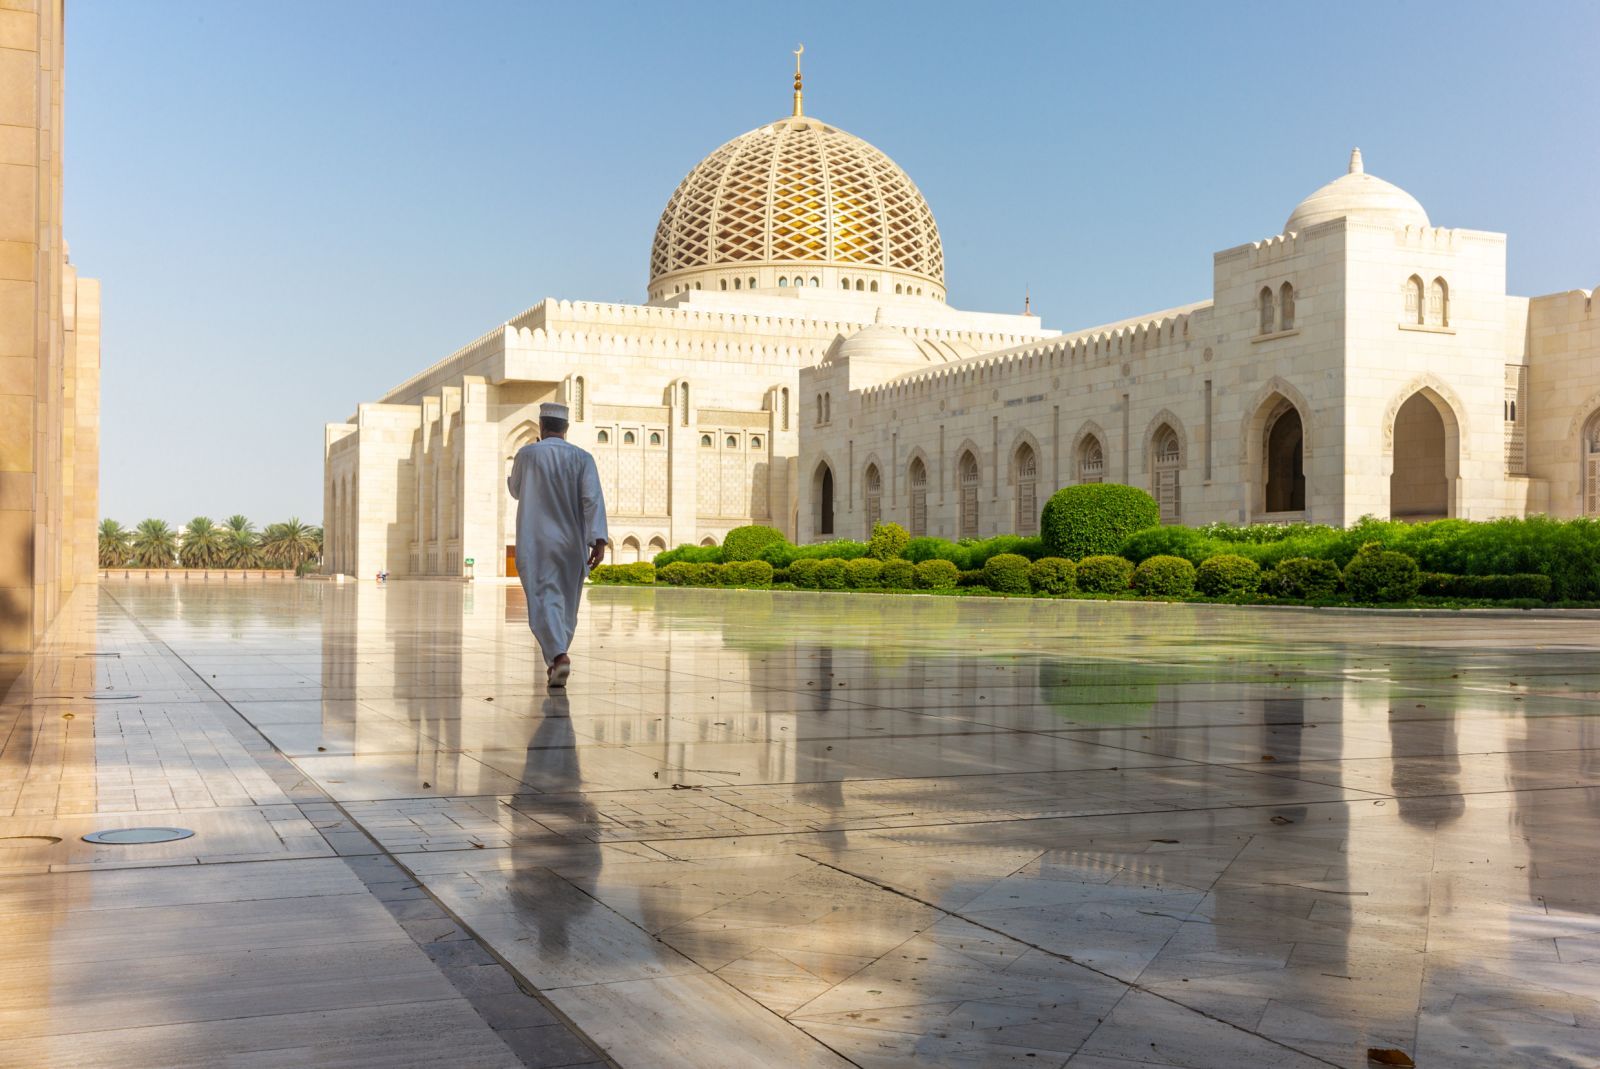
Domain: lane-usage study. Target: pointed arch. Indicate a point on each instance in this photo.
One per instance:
(872, 492)
(1415, 306)
(1168, 417)
(1423, 434)
(1166, 447)
(917, 479)
(824, 492)
(1264, 429)
(1090, 455)
(969, 485)
(1589, 461)
(1023, 475)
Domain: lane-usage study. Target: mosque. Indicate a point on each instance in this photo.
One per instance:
(796, 364)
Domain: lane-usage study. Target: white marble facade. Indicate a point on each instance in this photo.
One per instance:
(796, 364)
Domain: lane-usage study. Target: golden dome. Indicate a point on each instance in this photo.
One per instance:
(798, 193)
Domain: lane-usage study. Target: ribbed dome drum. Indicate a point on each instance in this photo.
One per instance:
(798, 193)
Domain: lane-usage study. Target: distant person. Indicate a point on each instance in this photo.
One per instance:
(561, 534)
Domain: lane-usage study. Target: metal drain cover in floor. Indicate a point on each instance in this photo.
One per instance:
(29, 840)
(132, 836)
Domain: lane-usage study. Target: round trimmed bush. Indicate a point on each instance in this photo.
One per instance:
(936, 575)
(639, 573)
(753, 573)
(1095, 518)
(863, 572)
(898, 574)
(1104, 574)
(1052, 575)
(1007, 573)
(831, 574)
(746, 543)
(887, 540)
(803, 573)
(1228, 575)
(971, 577)
(1376, 574)
(1164, 577)
(1307, 578)
(678, 573)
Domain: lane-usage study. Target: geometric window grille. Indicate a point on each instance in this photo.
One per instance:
(1516, 424)
(1027, 466)
(1591, 466)
(874, 487)
(1091, 462)
(1169, 455)
(919, 498)
(969, 495)
(797, 191)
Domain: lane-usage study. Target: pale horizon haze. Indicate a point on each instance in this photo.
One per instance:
(294, 207)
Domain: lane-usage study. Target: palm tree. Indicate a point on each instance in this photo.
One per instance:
(291, 544)
(241, 545)
(203, 543)
(155, 545)
(116, 544)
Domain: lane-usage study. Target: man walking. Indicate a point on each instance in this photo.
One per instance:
(561, 534)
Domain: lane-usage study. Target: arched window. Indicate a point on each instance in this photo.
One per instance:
(628, 553)
(603, 437)
(798, 281)
(917, 476)
(683, 397)
(873, 286)
(697, 285)
(783, 282)
(816, 283)
(708, 541)
(655, 439)
(1286, 307)
(736, 283)
(1025, 467)
(860, 285)
(657, 545)
(755, 443)
(785, 413)
(1091, 461)
(724, 283)
(874, 488)
(827, 408)
(627, 438)
(578, 399)
(1167, 462)
(705, 441)
(897, 287)
(844, 283)
(967, 472)
(1439, 303)
(752, 283)
(732, 442)
(1412, 292)
(1591, 466)
(819, 410)
(1265, 302)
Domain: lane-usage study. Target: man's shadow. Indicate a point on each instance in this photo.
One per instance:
(563, 842)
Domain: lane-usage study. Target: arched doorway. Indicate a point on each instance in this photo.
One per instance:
(918, 477)
(970, 482)
(822, 499)
(1285, 461)
(1419, 487)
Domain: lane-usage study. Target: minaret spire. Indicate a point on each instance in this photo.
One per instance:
(798, 52)
(1355, 161)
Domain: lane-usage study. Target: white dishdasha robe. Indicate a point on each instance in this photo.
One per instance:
(560, 514)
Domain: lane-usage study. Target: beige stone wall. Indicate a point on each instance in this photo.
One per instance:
(49, 344)
(1563, 347)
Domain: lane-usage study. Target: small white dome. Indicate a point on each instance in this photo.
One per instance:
(879, 341)
(1358, 195)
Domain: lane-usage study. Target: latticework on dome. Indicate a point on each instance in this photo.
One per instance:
(800, 192)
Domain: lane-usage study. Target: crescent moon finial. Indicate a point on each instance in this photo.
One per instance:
(798, 52)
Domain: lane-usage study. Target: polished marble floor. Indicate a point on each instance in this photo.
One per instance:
(797, 830)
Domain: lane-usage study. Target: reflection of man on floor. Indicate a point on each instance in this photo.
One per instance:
(561, 534)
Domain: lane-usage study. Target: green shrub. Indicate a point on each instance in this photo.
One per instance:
(640, 573)
(1164, 577)
(779, 575)
(676, 573)
(1007, 573)
(803, 573)
(1095, 518)
(751, 573)
(1186, 542)
(1491, 587)
(782, 554)
(746, 543)
(888, 539)
(1568, 551)
(690, 554)
(1376, 574)
(1104, 574)
(972, 577)
(1052, 575)
(831, 574)
(1228, 575)
(926, 548)
(1306, 578)
(898, 574)
(863, 573)
(936, 575)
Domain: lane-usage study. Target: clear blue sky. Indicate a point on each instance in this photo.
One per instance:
(294, 206)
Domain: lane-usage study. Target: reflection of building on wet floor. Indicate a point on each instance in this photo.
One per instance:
(813, 824)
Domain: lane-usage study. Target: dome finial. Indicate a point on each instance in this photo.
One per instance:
(1355, 162)
(798, 52)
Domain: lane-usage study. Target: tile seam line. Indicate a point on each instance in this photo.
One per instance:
(1129, 986)
(521, 981)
